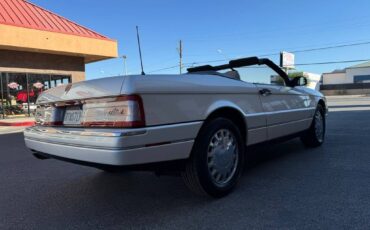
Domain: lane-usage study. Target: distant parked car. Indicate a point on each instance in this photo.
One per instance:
(32, 109)
(202, 121)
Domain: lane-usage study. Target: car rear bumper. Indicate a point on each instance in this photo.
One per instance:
(115, 147)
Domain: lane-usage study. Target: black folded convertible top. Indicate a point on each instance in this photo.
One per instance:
(243, 62)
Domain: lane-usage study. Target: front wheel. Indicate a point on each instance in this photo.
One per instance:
(217, 159)
(315, 135)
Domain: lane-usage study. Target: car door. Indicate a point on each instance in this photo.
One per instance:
(287, 109)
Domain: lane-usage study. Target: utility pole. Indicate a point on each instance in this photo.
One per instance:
(180, 54)
(125, 64)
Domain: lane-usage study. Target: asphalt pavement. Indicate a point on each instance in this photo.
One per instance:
(286, 187)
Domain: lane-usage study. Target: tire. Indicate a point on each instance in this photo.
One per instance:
(110, 170)
(217, 159)
(315, 135)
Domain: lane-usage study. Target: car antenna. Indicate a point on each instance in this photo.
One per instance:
(141, 58)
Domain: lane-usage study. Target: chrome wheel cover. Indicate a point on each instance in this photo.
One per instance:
(223, 157)
(319, 126)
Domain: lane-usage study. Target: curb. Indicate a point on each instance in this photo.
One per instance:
(17, 124)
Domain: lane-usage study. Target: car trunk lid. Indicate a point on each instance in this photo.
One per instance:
(98, 88)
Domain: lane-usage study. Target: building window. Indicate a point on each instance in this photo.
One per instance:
(361, 79)
(17, 99)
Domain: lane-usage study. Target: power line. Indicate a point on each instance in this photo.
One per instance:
(297, 51)
(314, 63)
(274, 54)
(331, 47)
(166, 68)
(298, 64)
(333, 62)
(274, 51)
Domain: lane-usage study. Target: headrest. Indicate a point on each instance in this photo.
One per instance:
(233, 74)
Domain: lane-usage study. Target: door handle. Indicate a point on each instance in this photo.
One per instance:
(265, 92)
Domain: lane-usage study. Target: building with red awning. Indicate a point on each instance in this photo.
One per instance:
(40, 50)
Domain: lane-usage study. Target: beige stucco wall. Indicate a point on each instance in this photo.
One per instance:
(24, 39)
(28, 62)
(351, 72)
(344, 78)
(335, 78)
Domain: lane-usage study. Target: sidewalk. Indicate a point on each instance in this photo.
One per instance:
(9, 130)
(17, 122)
(347, 96)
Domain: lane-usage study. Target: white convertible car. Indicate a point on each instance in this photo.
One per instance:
(202, 121)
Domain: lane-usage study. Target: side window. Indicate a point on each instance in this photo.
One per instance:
(260, 74)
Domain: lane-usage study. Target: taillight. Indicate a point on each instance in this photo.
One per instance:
(118, 112)
(115, 112)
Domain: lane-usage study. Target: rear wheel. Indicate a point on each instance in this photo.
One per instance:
(315, 135)
(217, 159)
(108, 170)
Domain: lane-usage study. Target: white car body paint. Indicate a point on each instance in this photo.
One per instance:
(175, 108)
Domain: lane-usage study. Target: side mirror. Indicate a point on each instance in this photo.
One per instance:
(299, 81)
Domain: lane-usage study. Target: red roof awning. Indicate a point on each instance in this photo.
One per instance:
(22, 13)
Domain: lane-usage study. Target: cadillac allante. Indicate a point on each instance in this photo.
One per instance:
(203, 121)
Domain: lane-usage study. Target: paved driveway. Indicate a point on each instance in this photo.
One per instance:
(287, 187)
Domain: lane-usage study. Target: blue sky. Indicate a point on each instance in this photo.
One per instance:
(236, 28)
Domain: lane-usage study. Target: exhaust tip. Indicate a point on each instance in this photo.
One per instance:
(39, 156)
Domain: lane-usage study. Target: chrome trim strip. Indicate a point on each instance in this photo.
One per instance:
(277, 124)
(116, 157)
(52, 130)
(106, 148)
(256, 135)
(257, 128)
(280, 111)
(290, 122)
(103, 132)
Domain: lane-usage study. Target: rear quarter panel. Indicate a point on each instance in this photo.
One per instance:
(177, 108)
(173, 99)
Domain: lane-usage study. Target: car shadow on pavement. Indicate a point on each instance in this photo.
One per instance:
(171, 188)
(270, 152)
(144, 196)
(284, 183)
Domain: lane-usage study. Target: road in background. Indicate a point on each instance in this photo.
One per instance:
(288, 187)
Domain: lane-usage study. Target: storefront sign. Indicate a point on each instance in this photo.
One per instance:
(287, 60)
(38, 85)
(13, 85)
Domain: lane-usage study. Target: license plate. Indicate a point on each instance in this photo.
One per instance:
(72, 116)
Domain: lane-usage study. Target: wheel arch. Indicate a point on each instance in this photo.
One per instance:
(232, 113)
(323, 104)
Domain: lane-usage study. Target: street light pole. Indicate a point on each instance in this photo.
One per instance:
(28, 95)
(125, 64)
(2, 95)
